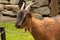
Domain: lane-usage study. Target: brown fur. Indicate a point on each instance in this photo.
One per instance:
(46, 29)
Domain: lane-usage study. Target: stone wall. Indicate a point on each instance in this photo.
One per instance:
(42, 8)
(11, 7)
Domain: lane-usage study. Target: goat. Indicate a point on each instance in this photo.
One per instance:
(46, 29)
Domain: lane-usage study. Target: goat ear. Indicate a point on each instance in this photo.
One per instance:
(28, 7)
(22, 7)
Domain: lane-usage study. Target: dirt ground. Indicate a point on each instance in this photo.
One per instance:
(7, 19)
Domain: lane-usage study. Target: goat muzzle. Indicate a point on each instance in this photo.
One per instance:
(18, 26)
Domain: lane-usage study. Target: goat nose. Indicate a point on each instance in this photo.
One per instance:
(17, 26)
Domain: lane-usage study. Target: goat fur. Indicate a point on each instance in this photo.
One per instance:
(46, 29)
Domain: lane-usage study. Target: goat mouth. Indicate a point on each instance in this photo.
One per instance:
(19, 27)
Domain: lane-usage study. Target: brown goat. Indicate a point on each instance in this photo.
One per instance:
(45, 29)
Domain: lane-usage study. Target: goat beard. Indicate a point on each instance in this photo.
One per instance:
(27, 28)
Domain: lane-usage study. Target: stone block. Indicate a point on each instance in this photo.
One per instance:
(1, 7)
(4, 2)
(43, 10)
(14, 1)
(38, 16)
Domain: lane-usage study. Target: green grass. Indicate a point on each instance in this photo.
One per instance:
(12, 33)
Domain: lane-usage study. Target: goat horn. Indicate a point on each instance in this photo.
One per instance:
(22, 6)
(28, 7)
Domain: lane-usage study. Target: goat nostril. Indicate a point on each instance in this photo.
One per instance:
(17, 26)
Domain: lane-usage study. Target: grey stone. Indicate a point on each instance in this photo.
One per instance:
(14, 1)
(8, 7)
(15, 8)
(38, 16)
(28, 2)
(43, 10)
(4, 2)
(40, 3)
(8, 13)
(1, 7)
(12, 7)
